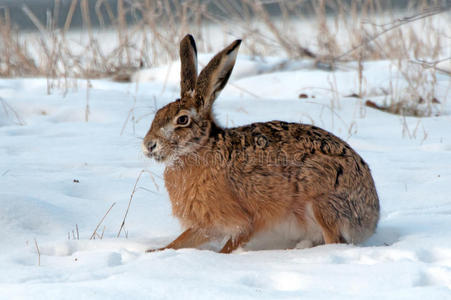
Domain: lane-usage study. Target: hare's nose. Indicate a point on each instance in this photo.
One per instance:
(151, 145)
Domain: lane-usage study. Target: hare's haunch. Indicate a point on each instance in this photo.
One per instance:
(291, 183)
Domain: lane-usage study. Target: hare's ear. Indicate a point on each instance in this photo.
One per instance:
(214, 76)
(188, 58)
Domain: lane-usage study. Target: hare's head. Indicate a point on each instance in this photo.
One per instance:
(184, 125)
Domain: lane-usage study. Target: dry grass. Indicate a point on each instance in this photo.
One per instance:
(38, 251)
(129, 203)
(144, 33)
(94, 234)
(10, 112)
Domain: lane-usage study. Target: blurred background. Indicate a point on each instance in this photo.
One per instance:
(117, 38)
(43, 8)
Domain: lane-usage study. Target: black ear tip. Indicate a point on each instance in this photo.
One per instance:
(234, 46)
(236, 43)
(188, 37)
(191, 41)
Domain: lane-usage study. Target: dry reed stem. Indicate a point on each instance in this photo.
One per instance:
(7, 108)
(87, 108)
(101, 221)
(34, 19)
(70, 15)
(394, 25)
(39, 252)
(151, 175)
(129, 202)
(103, 231)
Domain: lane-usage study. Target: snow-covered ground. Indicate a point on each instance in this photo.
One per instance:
(59, 172)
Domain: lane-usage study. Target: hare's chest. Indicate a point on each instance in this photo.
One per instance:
(195, 195)
(185, 185)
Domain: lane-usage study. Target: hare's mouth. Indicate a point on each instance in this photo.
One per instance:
(158, 157)
(156, 154)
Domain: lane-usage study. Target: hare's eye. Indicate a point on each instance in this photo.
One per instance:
(182, 120)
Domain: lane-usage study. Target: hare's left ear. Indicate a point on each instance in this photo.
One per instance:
(188, 59)
(215, 75)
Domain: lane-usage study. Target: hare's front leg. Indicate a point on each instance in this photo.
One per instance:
(190, 238)
(234, 242)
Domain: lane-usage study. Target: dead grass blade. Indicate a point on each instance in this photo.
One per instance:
(101, 221)
(39, 252)
(129, 202)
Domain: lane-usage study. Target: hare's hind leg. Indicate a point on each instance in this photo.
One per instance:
(190, 238)
(327, 217)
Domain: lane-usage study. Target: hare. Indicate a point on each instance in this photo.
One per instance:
(236, 185)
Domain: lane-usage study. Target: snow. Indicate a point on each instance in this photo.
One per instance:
(58, 171)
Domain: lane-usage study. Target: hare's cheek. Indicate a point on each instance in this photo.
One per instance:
(167, 131)
(195, 140)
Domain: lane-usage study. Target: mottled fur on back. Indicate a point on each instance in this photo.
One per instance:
(242, 182)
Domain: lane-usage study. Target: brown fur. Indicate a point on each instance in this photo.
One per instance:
(189, 65)
(240, 181)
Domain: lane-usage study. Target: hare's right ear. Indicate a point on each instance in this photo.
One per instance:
(215, 75)
(188, 58)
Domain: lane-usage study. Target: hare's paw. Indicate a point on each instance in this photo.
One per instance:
(155, 250)
(304, 244)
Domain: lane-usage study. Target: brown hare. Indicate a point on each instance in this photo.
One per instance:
(299, 182)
